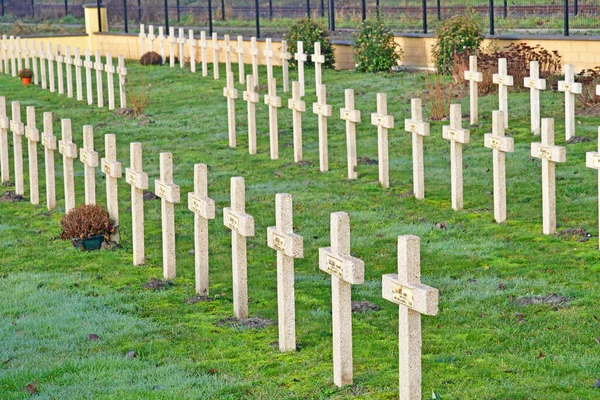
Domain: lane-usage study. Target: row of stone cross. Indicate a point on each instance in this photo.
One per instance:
(404, 288)
(49, 69)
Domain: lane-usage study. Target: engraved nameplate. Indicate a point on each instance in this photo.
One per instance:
(334, 266)
(84, 157)
(403, 295)
(545, 152)
(196, 205)
(131, 178)
(63, 149)
(44, 141)
(233, 222)
(452, 134)
(106, 168)
(278, 242)
(412, 127)
(161, 190)
(495, 143)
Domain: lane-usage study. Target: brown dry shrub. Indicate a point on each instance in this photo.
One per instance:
(86, 221)
(589, 78)
(151, 58)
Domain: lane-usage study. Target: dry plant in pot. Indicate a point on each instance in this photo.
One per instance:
(87, 226)
(25, 74)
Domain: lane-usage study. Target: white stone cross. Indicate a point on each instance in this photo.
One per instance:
(169, 194)
(268, 53)
(204, 47)
(98, 66)
(298, 107)
(69, 70)
(323, 110)
(112, 169)
(122, 71)
(345, 271)
(300, 58)
(215, 47)
(42, 54)
(34, 62)
(285, 57)
(231, 93)
(240, 53)
(50, 57)
(503, 80)
(473, 76)
(192, 43)
(5, 53)
(571, 88)
(288, 246)
(13, 60)
(142, 37)
(78, 83)
(254, 53)
(592, 160)
(138, 179)
(88, 64)
(4, 165)
(457, 137)
(550, 155)
(318, 59)
(110, 83)
(383, 122)
(18, 130)
(251, 97)
(228, 50)
(172, 42)
(352, 117)
(274, 102)
(418, 129)
(26, 53)
(151, 37)
(242, 226)
(161, 43)
(49, 143)
(500, 144)
(181, 41)
(413, 299)
(203, 208)
(89, 157)
(59, 69)
(18, 53)
(535, 84)
(68, 149)
(33, 137)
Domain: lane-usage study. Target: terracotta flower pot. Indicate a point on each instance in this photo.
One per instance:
(26, 81)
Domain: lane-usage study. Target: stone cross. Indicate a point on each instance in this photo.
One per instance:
(13, 60)
(33, 137)
(550, 155)
(51, 59)
(169, 194)
(215, 47)
(228, 49)
(5, 53)
(78, 64)
(251, 97)
(151, 37)
(571, 88)
(240, 53)
(298, 107)
(500, 145)
(4, 166)
(352, 117)
(112, 169)
(34, 63)
(535, 84)
(300, 58)
(138, 179)
(181, 41)
(172, 41)
(49, 143)
(204, 47)
(231, 93)
(89, 158)
(274, 102)
(323, 110)
(161, 44)
(142, 36)
(68, 149)
(110, 71)
(26, 52)
(254, 53)
(503, 80)
(42, 54)
(268, 53)
(318, 59)
(418, 128)
(18, 130)
(457, 137)
(122, 71)
(345, 271)
(288, 246)
(98, 66)
(88, 77)
(383, 122)
(592, 160)
(285, 57)
(413, 299)
(192, 43)
(68, 64)
(18, 53)
(473, 76)
(203, 208)
(242, 226)
(59, 70)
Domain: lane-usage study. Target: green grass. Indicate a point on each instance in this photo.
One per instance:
(481, 345)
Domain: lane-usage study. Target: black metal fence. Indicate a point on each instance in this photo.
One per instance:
(499, 16)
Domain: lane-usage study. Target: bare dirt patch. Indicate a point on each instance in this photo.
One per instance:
(157, 284)
(11, 197)
(250, 323)
(364, 306)
(579, 234)
(553, 300)
(198, 299)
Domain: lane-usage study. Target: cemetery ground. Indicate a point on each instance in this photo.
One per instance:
(89, 325)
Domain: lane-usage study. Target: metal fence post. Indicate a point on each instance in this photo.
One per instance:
(32, 10)
(575, 7)
(270, 9)
(178, 12)
(439, 10)
(308, 9)
(99, 15)
(566, 24)
(223, 10)
(140, 11)
(424, 2)
(505, 8)
(322, 8)
(377, 8)
(257, 18)
(210, 27)
(166, 17)
(125, 16)
(66, 8)
(363, 9)
(491, 17)
(2, 4)
(331, 5)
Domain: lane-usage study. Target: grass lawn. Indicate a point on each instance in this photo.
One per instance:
(484, 344)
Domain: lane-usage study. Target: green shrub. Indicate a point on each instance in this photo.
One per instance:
(374, 47)
(459, 34)
(309, 32)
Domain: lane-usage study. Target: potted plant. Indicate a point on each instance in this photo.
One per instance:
(87, 227)
(25, 74)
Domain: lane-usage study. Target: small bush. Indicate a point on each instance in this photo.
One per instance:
(138, 94)
(151, 58)
(374, 47)
(309, 31)
(589, 78)
(85, 221)
(461, 34)
(25, 73)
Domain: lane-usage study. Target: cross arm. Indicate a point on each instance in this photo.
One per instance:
(419, 127)
(532, 83)
(203, 206)
(421, 298)
(385, 121)
(551, 153)
(88, 157)
(350, 115)
(569, 87)
(49, 141)
(347, 268)
(68, 150)
(506, 80)
(137, 179)
(473, 76)
(241, 223)
(501, 143)
(458, 135)
(290, 244)
(296, 105)
(169, 192)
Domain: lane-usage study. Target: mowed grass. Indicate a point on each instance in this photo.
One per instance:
(483, 344)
